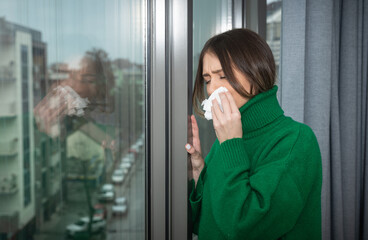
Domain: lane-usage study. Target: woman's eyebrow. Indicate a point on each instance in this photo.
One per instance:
(216, 71)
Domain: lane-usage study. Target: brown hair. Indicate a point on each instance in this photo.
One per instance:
(245, 51)
(105, 81)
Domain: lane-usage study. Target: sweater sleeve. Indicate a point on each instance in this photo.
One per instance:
(266, 202)
(195, 197)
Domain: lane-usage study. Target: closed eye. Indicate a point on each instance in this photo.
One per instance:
(206, 78)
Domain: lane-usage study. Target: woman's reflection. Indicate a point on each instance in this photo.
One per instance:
(87, 88)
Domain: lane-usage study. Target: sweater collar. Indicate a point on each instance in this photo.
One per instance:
(260, 110)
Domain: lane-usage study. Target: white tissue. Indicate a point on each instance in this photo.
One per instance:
(75, 103)
(207, 103)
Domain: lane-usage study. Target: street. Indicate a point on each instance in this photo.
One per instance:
(129, 226)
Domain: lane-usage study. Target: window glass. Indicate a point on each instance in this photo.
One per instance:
(273, 33)
(210, 17)
(72, 77)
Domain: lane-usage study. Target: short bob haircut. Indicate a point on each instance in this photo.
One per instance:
(245, 51)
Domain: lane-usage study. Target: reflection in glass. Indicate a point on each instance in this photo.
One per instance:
(273, 33)
(72, 119)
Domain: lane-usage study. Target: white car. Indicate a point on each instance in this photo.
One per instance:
(139, 143)
(124, 170)
(107, 187)
(98, 225)
(131, 156)
(127, 160)
(120, 207)
(135, 147)
(118, 176)
(125, 165)
(107, 193)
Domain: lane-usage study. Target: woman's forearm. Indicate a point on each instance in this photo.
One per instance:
(196, 173)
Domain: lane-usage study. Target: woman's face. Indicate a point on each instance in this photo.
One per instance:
(84, 79)
(215, 78)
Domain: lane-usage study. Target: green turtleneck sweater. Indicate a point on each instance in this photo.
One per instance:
(265, 185)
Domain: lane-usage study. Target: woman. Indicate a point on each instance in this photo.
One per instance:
(86, 88)
(262, 178)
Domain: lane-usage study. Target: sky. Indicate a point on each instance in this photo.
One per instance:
(72, 27)
(69, 27)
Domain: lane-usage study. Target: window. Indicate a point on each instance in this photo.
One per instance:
(75, 72)
(216, 18)
(25, 125)
(27, 188)
(273, 33)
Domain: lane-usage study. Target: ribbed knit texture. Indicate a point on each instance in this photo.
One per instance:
(265, 185)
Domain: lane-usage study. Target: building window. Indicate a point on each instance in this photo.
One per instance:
(76, 73)
(25, 125)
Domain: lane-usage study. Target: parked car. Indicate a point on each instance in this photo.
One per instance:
(118, 176)
(81, 226)
(133, 149)
(107, 193)
(107, 187)
(120, 207)
(125, 170)
(100, 211)
(132, 155)
(127, 160)
(140, 142)
(125, 165)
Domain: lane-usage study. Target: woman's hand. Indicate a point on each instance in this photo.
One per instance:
(195, 151)
(227, 124)
(50, 111)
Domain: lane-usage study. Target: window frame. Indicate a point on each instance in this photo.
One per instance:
(169, 50)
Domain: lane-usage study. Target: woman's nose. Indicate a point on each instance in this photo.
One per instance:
(211, 88)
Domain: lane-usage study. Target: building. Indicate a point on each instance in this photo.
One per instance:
(129, 98)
(89, 143)
(17, 208)
(29, 188)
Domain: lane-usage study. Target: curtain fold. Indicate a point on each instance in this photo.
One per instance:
(324, 84)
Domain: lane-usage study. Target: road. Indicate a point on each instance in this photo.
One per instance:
(128, 227)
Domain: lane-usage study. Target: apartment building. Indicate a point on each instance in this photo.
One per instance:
(27, 159)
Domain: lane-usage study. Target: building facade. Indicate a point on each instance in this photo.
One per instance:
(28, 194)
(17, 165)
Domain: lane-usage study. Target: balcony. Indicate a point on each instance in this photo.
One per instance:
(8, 185)
(9, 148)
(7, 73)
(9, 222)
(7, 109)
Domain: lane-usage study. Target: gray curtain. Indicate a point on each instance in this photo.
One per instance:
(324, 84)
